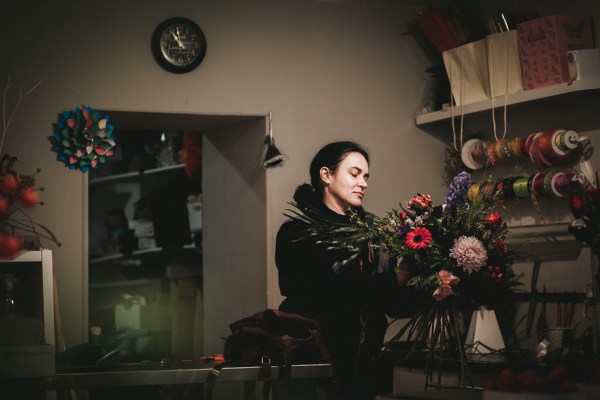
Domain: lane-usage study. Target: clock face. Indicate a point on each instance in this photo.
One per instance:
(178, 45)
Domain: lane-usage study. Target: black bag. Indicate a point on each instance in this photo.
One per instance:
(271, 337)
(283, 338)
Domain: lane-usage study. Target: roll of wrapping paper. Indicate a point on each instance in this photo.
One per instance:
(549, 148)
(554, 147)
(505, 187)
(568, 182)
(473, 192)
(557, 143)
(521, 187)
(535, 153)
(537, 184)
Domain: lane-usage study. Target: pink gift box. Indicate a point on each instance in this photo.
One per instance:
(543, 45)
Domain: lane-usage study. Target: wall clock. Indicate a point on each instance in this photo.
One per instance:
(178, 45)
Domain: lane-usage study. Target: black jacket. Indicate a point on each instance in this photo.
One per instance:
(347, 301)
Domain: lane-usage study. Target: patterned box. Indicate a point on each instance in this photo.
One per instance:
(543, 46)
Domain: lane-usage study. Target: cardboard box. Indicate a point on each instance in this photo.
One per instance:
(543, 46)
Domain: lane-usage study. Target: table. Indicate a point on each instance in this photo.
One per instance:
(157, 374)
(447, 394)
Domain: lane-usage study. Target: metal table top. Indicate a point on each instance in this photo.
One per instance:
(145, 374)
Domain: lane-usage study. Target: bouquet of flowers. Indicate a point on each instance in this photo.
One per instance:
(454, 251)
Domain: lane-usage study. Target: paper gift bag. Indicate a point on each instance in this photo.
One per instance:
(544, 44)
(467, 69)
(503, 64)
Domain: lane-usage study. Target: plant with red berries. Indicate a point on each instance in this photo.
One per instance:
(17, 193)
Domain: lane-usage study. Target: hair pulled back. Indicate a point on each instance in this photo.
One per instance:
(331, 156)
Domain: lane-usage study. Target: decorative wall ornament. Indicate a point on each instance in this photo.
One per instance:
(83, 138)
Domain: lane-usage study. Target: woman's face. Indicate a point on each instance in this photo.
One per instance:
(346, 187)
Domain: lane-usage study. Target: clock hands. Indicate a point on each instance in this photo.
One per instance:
(177, 38)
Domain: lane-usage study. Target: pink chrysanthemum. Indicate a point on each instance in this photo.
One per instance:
(469, 253)
(418, 239)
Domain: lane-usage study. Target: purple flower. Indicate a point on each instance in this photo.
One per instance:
(402, 229)
(457, 192)
(469, 253)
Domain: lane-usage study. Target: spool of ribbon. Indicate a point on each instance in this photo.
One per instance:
(521, 187)
(554, 147)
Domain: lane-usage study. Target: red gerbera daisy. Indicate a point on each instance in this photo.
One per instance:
(418, 239)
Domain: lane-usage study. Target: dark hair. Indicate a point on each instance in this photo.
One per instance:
(331, 156)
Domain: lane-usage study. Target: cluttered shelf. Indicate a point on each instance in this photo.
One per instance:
(576, 87)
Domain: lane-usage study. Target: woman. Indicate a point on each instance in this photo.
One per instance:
(347, 300)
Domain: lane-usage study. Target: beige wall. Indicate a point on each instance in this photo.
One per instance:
(327, 70)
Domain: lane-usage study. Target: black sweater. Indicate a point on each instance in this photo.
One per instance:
(347, 301)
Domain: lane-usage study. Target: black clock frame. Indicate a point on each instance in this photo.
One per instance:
(158, 55)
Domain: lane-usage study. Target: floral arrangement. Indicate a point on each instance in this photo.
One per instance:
(454, 248)
(454, 251)
(83, 139)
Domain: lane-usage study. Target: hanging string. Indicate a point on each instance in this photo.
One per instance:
(537, 208)
(270, 127)
(493, 97)
(452, 98)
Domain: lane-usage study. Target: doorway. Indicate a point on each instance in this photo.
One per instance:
(183, 292)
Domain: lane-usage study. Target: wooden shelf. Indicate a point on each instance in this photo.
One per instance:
(578, 86)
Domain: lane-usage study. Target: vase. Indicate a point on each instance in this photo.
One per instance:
(484, 335)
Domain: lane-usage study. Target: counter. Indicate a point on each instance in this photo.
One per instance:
(161, 374)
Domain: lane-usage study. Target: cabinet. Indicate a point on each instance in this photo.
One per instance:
(145, 247)
(27, 338)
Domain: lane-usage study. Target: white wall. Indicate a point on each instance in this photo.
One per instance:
(327, 70)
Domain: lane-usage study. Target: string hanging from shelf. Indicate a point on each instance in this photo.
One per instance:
(491, 66)
(462, 114)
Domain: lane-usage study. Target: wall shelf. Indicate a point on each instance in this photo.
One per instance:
(135, 174)
(577, 87)
(134, 254)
